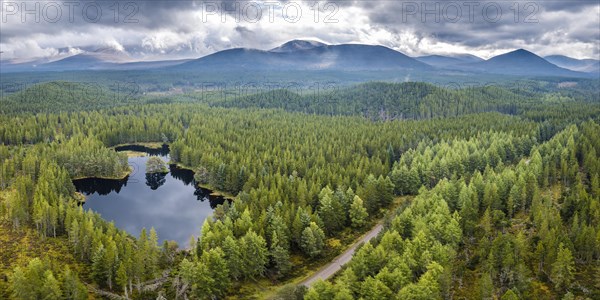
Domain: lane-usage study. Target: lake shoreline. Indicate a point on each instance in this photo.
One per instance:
(206, 186)
(149, 145)
(152, 146)
(121, 177)
(173, 203)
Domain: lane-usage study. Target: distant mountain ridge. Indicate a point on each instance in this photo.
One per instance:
(579, 65)
(520, 62)
(443, 61)
(310, 55)
(296, 45)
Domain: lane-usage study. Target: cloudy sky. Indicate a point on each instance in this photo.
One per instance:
(157, 29)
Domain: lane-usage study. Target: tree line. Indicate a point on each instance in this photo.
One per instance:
(506, 237)
(299, 181)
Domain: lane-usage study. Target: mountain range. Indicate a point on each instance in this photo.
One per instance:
(306, 55)
(580, 65)
(520, 62)
(445, 61)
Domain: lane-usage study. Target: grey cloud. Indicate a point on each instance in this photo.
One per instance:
(572, 5)
(154, 16)
(243, 31)
(475, 26)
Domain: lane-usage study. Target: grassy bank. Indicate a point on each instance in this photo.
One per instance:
(149, 145)
(121, 176)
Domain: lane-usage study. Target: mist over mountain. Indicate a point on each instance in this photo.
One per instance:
(296, 45)
(443, 61)
(310, 55)
(99, 59)
(580, 65)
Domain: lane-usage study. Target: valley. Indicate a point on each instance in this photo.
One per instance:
(305, 182)
(337, 150)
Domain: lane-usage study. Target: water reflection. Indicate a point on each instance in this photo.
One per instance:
(162, 151)
(170, 202)
(100, 186)
(185, 175)
(155, 180)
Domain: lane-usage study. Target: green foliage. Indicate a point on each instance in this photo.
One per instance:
(408, 100)
(509, 295)
(312, 240)
(37, 281)
(155, 164)
(73, 288)
(88, 157)
(55, 96)
(508, 202)
(563, 269)
(376, 193)
(490, 207)
(280, 255)
(254, 255)
(358, 213)
(208, 277)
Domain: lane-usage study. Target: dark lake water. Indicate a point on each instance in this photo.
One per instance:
(171, 203)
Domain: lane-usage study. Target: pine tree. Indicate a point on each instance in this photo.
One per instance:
(51, 287)
(320, 290)
(152, 253)
(73, 288)
(220, 177)
(509, 295)
(486, 286)
(568, 296)
(19, 285)
(467, 200)
(373, 289)
(254, 255)
(233, 257)
(563, 269)
(358, 213)
(99, 268)
(216, 266)
(312, 241)
(122, 278)
(428, 286)
(280, 257)
(110, 262)
(331, 211)
(368, 192)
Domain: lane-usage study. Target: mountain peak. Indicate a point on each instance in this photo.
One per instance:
(309, 55)
(522, 62)
(521, 51)
(519, 56)
(518, 53)
(109, 50)
(298, 45)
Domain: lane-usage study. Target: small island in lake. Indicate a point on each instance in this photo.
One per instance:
(156, 165)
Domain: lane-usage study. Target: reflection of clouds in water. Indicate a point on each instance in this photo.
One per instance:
(173, 209)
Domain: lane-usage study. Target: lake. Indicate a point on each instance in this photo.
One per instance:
(171, 203)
